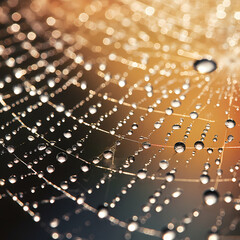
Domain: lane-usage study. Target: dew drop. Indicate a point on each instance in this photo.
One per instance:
(230, 123)
(2, 182)
(102, 212)
(92, 109)
(85, 167)
(157, 125)
(169, 235)
(179, 147)
(163, 164)
(142, 174)
(210, 197)
(12, 179)
(17, 89)
(213, 236)
(176, 103)
(146, 145)
(193, 115)
(54, 223)
(132, 226)
(61, 157)
(67, 134)
(10, 149)
(80, 200)
(108, 154)
(169, 111)
(169, 177)
(177, 193)
(44, 98)
(60, 108)
(199, 145)
(50, 169)
(204, 178)
(228, 197)
(204, 66)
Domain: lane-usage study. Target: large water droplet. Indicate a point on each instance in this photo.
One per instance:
(204, 179)
(92, 109)
(169, 235)
(146, 145)
(133, 226)
(179, 147)
(199, 145)
(210, 197)
(230, 123)
(205, 66)
(142, 174)
(102, 212)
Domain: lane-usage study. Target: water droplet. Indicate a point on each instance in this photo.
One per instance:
(193, 115)
(85, 167)
(102, 212)
(210, 197)
(50, 169)
(205, 66)
(132, 226)
(169, 177)
(176, 103)
(2, 182)
(10, 149)
(122, 82)
(169, 111)
(169, 235)
(142, 174)
(61, 157)
(164, 164)
(80, 200)
(68, 134)
(96, 160)
(60, 108)
(17, 89)
(199, 145)
(237, 206)
(41, 146)
(210, 150)
(54, 223)
(146, 145)
(108, 154)
(157, 125)
(213, 236)
(44, 98)
(92, 109)
(179, 147)
(230, 123)
(36, 217)
(12, 179)
(177, 193)
(204, 178)
(228, 197)
(230, 138)
(64, 185)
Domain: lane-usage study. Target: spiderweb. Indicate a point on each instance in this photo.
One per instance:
(120, 118)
